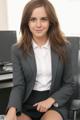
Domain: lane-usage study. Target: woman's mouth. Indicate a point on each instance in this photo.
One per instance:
(38, 30)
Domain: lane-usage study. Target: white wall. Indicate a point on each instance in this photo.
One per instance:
(15, 8)
(67, 11)
(68, 14)
(3, 15)
(14, 13)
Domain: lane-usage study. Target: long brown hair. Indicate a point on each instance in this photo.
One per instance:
(57, 40)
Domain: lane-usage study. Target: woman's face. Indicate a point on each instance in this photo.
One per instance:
(39, 23)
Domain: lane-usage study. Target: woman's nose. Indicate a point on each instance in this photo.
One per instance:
(38, 23)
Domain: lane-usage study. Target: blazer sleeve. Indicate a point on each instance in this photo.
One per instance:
(65, 92)
(17, 92)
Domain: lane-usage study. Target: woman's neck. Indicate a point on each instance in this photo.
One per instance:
(40, 41)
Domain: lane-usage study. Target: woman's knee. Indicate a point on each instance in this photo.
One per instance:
(51, 115)
(23, 117)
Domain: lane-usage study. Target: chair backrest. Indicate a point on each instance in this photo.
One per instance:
(79, 70)
(75, 52)
(75, 62)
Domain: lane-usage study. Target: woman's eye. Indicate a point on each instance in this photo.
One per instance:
(32, 19)
(44, 19)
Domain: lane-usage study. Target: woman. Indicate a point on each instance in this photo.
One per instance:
(42, 74)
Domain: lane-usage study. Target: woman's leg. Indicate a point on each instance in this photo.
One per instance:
(52, 115)
(23, 117)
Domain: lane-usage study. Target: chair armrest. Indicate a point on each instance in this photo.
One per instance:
(75, 105)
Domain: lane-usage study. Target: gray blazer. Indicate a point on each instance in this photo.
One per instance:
(24, 75)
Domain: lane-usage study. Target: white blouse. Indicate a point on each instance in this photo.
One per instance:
(43, 63)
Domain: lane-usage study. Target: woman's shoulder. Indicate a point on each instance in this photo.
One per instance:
(68, 45)
(68, 50)
(15, 48)
(67, 41)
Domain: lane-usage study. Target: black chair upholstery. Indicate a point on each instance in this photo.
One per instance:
(75, 105)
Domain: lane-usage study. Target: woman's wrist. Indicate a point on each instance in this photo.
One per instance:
(12, 110)
(52, 100)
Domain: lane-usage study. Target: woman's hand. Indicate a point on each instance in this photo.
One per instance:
(11, 114)
(43, 106)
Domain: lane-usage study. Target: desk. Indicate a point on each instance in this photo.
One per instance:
(5, 88)
(6, 80)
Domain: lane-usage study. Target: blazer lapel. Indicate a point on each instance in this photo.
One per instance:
(54, 60)
(32, 62)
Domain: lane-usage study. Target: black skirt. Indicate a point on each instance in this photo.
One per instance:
(37, 96)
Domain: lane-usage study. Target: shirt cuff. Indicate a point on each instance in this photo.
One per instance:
(56, 104)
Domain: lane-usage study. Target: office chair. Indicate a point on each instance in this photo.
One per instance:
(75, 105)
